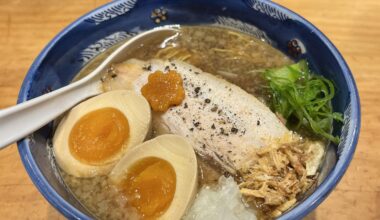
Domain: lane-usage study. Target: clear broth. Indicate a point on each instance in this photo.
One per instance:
(235, 56)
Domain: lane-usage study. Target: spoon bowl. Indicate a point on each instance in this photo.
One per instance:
(18, 121)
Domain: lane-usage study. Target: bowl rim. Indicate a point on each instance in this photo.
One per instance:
(336, 174)
(298, 212)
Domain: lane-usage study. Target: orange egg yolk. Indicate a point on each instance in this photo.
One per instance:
(98, 135)
(150, 186)
(163, 90)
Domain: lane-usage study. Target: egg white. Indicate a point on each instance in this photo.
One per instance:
(180, 154)
(134, 107)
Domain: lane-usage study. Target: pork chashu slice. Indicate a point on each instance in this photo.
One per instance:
(221, 120)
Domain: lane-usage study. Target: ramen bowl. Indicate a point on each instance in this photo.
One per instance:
(95, 32)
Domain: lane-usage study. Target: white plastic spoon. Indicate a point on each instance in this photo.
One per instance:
(18, 121)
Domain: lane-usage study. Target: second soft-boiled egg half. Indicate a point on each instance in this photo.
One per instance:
(158, 177)
(95, 134)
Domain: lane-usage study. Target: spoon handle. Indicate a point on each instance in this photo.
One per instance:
(20, 120)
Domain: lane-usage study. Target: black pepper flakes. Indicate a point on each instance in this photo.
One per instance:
(214, 109)
(213, 126)
(147, 68)
(167, 68)
(196, 73)
(196, 124)
(203, 146)
(197, 89)
(234, 130)
(223, 132)
(207, 101)
(191, 129)
(258, 123)
(113, 76)
(185, 105)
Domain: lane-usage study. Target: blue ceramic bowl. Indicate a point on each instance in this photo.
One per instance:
(91, 34)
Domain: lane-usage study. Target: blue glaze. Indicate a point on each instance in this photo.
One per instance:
(66, 54)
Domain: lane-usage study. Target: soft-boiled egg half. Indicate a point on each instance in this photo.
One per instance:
(158, 177)
(95, 134)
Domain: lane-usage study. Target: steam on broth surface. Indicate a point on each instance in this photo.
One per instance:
(231, 55)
